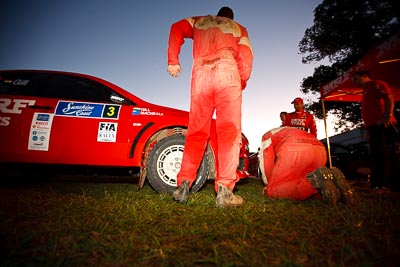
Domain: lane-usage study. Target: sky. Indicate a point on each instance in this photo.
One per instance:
(125, 42)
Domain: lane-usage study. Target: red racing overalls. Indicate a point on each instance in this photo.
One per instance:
(287, 154)
(302, 120)
(222, 65)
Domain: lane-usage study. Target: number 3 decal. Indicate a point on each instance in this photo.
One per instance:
(111, 111)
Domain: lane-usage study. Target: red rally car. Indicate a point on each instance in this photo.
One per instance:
(70, 119)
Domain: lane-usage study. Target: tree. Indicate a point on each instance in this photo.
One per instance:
(343, 31)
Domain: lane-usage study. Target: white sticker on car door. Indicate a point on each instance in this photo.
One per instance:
(39, 136)
(107, 132)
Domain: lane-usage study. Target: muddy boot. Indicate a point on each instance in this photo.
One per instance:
(225, 198)
(322, 179)
(181, 194)
(347, 196)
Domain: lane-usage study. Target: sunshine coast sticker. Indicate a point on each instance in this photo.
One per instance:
(87, 110)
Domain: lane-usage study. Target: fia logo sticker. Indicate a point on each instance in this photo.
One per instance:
(107, 132)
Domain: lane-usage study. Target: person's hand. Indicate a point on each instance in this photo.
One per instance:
(386, 121)
(174, 70)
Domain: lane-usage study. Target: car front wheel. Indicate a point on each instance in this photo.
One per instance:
(164, 163)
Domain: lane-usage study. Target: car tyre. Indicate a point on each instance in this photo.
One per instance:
(163, 165)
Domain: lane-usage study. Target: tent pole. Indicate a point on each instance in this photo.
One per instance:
(326, 134)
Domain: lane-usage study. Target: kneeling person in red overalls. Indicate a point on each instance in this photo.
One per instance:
(292, 164)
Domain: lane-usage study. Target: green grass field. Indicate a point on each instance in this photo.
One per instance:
(103, 223)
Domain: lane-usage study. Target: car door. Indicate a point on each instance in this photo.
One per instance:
(88, 123)
(17, 107)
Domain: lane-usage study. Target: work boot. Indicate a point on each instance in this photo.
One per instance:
(346, 191)
(181, 194)
(322, 179)
(225, 198)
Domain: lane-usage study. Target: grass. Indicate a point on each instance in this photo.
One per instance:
(102, 223)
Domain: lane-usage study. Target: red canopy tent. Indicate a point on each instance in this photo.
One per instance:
(382, 61)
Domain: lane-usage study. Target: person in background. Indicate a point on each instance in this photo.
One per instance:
(300, 118)
(292, 164)
(282, 115)
(377, 109)
(222, 63)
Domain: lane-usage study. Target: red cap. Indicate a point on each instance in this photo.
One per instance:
(297, 100)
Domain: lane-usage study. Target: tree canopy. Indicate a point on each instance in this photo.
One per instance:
(343, 31)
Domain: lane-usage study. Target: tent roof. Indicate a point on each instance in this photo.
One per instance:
(382, 61)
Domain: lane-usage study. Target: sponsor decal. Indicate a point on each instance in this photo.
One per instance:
(76, 109)
(5, 121)
(43, 117)
(20, 82)
(87, 110)
(40, 131)
(136, 111)
(146, 111)
(117, 98)
(298, 122)
(17, 82)
(12, 106)
(107, 132)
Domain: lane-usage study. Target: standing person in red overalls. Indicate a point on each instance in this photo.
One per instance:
(222, 65)
(377, 108)
(292, 164)
(301, 119)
